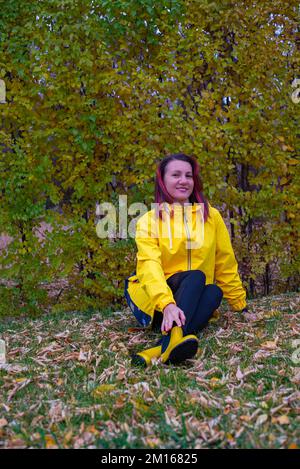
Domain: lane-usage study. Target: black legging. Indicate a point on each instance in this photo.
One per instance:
(197, 300)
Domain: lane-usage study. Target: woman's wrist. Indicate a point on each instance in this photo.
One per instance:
(172, 303)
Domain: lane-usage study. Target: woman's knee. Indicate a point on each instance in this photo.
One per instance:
(214, 292)
(197, 276)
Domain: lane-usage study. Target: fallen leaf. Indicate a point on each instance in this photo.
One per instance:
(120, 402)
(283, 420)
(152, 442)
(82, 356)
(103, 389)
(245, 418)
(239, 374)
(50, 442)
(57, 411)
(68, 437)
(261, 419)
(214, 381)
(296, 378)
(16, 443)
(261, 354)
(140, 406)
(3, 423)
(270, 344)
(229, 437)
(13, 368)
(227, 409)
(20, 380)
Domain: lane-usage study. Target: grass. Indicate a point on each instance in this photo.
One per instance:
(69, 383)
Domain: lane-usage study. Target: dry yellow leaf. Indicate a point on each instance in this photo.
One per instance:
(91, 429)
(68, 437)
(214, 381)
(269, 345)
(245, 418)
(120, 402)
(283, 420)
(152, 442)
(21, 380)
(50, 442)
(103, 389)
(293, 161)
(215, 317)
(140, 406)
(287, 148)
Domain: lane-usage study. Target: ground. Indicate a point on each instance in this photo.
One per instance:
(69, 382)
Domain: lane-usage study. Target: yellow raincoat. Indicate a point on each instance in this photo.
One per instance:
(179, 242)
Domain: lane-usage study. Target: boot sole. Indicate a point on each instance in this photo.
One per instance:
(183, 351)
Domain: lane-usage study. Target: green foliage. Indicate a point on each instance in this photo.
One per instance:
(98, 92)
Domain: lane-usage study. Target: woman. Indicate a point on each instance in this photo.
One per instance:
(185, 263)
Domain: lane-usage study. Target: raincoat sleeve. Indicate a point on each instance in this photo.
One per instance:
(226, 268)
(149, 269)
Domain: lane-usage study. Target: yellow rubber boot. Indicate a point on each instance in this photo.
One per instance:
(144, 358)
(179, 348)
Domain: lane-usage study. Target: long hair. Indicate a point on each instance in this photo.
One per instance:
(161, 193)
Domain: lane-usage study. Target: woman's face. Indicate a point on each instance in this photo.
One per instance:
(179, 180)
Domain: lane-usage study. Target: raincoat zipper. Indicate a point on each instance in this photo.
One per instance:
(189, 242)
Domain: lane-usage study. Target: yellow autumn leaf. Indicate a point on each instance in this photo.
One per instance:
(283, 181)
(152, 442)
(214, 381)
(283, 420)
(50, 442)
(68, 437)
(293, 161)
(269, 345)
(287, 148)
(215, 317)
(140, 406)
(103, 389)
(245, 418)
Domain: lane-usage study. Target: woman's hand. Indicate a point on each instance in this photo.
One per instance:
(172, 313)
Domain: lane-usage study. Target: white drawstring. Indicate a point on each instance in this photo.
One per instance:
(169, 226)
(170, 233)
